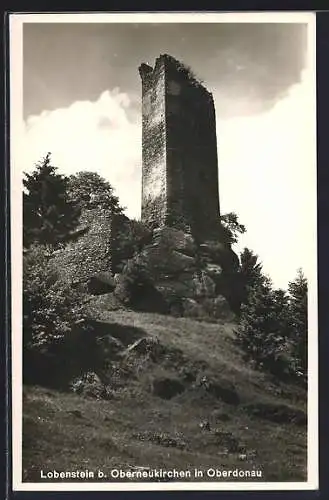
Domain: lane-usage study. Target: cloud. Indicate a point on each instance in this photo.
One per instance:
(252, 64)
(267, 175)
(266, 166)
(99, 136)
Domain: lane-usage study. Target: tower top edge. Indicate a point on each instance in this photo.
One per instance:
(169, 61)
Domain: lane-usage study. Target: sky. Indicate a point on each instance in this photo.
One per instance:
(82, 103)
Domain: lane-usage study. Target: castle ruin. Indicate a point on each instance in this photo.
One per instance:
(179, 149)
(182, 263)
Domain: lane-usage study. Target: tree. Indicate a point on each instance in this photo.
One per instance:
(264, 328)
(89, 191)
(298, 291)
(49, 216)
(232, 227)
(251, 272)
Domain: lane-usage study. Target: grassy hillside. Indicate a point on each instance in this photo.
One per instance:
(183, 398)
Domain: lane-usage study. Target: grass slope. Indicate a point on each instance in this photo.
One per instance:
(224, 415)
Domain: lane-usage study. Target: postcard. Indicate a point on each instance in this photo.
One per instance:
(163, 249)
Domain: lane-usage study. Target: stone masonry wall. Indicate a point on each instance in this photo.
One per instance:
(192, 169)
(154, 181)
(180, 171)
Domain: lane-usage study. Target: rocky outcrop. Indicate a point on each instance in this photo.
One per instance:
(190, 278)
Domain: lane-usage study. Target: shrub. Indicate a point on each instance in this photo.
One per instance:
(129, 236)
(135, 288)
(53, 315)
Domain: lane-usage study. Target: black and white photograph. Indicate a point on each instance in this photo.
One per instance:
(163, 251)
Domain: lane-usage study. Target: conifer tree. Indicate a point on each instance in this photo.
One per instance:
(264, 328)
(251, 272)
(48, 215)
(298, 290)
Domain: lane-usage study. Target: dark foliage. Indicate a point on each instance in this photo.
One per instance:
(298, 291)
(129, 236)
(250, 273)
(273, 327)
(90, 191)
(49, 216)
(264, 329)
(136, 289)
(231, 227)
(53, 322)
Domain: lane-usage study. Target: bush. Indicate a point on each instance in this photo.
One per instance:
(135, 288)
(129, 237)
(53, 318)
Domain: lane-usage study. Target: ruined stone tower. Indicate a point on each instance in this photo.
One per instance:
(180, 170)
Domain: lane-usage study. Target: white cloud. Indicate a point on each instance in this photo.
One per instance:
(94, 136)
(266, 166)
(268, 176)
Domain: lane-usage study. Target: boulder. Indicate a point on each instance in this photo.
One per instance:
(90, 385)
(111, 348)
(175, 239)
(164, 261)
(213, 270)
(192, 308)
(217, 307)
(204, 286)
(144, 345)
(208, 307)
(173, 268)
(216, 252)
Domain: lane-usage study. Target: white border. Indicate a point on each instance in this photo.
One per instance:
(16, 120)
